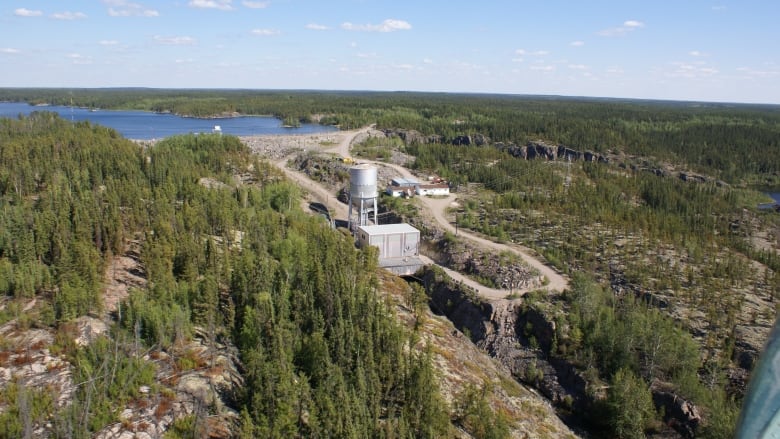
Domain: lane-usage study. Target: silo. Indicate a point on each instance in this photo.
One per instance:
(362, 193)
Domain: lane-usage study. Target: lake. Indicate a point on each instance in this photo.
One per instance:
(146, 125)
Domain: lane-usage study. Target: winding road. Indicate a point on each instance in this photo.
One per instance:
(437, 207)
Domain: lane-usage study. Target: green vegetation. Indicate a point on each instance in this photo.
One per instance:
(630, 345)
(24, 408)
(299, 302)
(321, 353)
(731, 142)
(474, 414)
(377, 148)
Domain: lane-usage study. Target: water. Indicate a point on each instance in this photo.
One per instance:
(775, 196)
(145, 125)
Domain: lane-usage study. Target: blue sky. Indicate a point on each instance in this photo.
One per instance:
(680, 50)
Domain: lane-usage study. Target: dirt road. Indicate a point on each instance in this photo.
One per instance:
(436, 207)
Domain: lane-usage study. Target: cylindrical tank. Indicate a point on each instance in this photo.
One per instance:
(362, 182)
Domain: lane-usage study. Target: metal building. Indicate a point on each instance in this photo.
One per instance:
(399, 246)
(362, 194)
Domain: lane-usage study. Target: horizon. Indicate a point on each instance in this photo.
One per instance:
(702, 52)
(421, 92)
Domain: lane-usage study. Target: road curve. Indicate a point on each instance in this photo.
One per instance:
(437, 207)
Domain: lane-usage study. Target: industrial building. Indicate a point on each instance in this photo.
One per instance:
(404, 182)
(402, 187)
(398, 244)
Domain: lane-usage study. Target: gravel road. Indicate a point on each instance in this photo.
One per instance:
(279, 149)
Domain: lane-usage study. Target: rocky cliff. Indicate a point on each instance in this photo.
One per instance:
(522, 338)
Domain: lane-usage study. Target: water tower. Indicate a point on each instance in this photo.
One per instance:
(362, 193)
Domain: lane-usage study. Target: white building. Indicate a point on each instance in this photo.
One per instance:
(402, 187)
(397, 191)
(398, 244)
(433, 189)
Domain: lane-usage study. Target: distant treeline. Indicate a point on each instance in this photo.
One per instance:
(734, 142)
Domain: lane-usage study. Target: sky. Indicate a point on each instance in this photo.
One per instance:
(693, 50)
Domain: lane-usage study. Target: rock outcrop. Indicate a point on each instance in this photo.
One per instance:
(522, 337)
(205, 393)
(466, 258)
(538, 149)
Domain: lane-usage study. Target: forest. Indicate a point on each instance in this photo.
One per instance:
(731, 142)
(685, 266)
(666, 272)
(296, 299)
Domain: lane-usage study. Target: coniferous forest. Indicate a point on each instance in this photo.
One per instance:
(667, 273)
(244, 262)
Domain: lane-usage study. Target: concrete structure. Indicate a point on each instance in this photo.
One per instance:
(362, 194)
(398, 244)
(433, 189)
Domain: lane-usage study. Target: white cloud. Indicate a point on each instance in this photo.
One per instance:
(578, 67)
(691, 71)
(427, 61)
(404, 66)
(389, 25)
(175, 41)
(124, 8)
(523, 52)
(265, 32)
(256, 5)
(751, 73)
(628, 26)
(9, 50)
(24, 12)
(543, 68)
(184, 61)
(577, 43)
(108, 42)
(79, 59)
(69, 15)
(314, 26)
(696, 53)
(518, 59)
(719, 8)
(223, 5)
